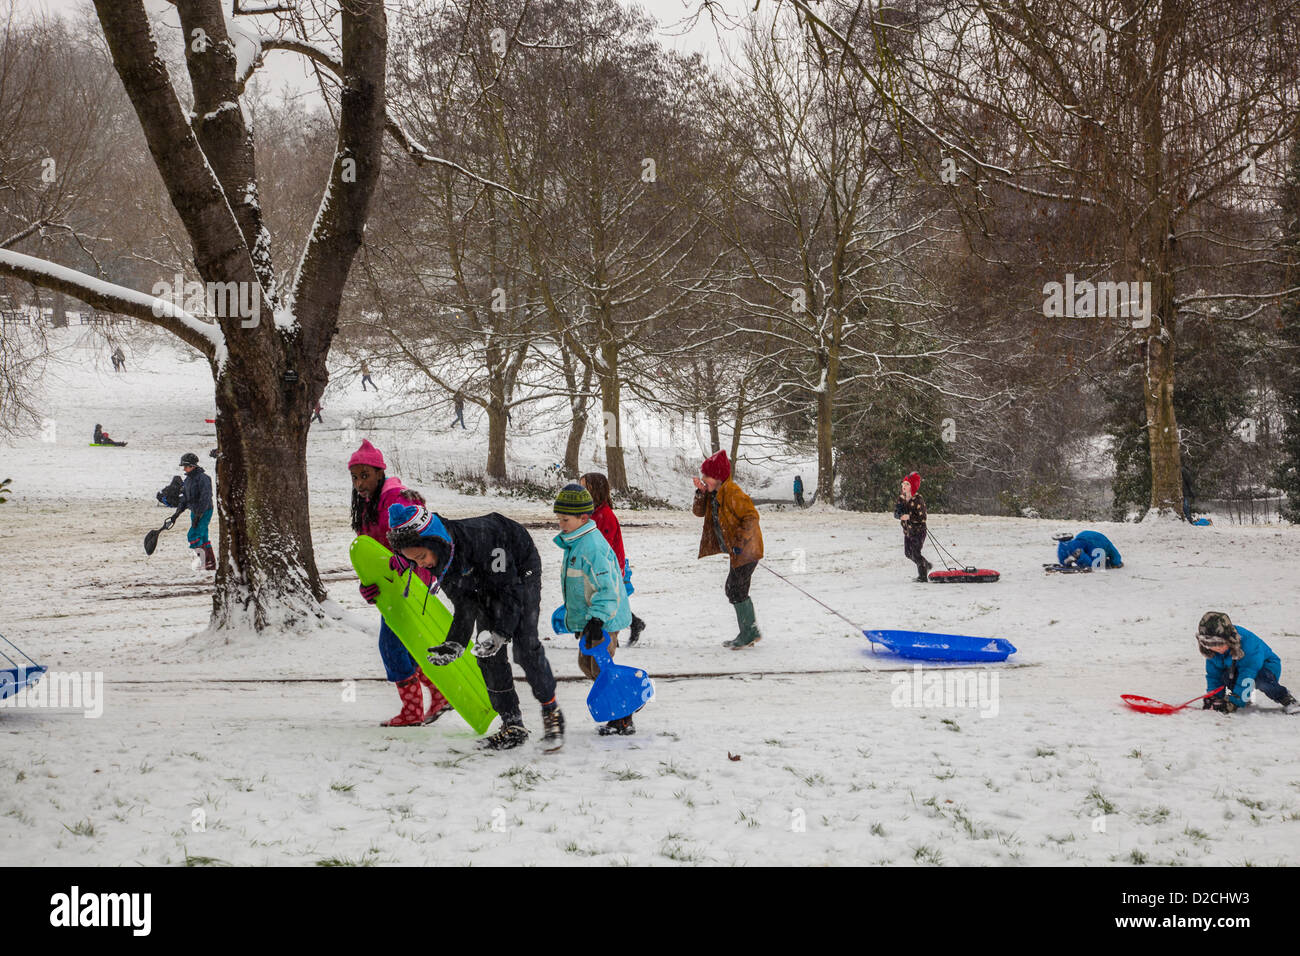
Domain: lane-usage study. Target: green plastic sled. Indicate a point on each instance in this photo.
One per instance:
(420, 625)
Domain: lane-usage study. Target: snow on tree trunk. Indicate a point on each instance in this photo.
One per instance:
(266, 575)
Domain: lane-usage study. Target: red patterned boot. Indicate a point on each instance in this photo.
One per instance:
(412, 714)
(438, 705)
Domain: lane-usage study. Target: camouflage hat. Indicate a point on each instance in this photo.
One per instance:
(1216, 629)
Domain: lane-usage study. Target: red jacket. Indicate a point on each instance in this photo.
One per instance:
(607, 522)
(390, 494)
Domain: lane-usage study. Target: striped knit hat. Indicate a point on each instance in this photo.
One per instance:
(574, 500)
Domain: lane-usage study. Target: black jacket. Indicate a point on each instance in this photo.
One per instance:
(916, 514)
(494, 579)
(197, 491)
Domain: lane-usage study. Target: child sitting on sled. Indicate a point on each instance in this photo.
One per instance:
(595, 600)
(1237, 660)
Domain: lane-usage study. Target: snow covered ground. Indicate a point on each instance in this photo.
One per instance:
(269, 750)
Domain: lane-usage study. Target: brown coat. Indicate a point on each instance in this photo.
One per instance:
(739, 520)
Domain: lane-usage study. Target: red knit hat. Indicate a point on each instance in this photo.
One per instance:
(716, 466)
(914, 479)
(368, 454)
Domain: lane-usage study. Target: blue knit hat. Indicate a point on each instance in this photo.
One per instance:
(410, 525)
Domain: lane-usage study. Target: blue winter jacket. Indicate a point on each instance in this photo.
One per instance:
(197, 491)
(798, 487)
(592, 581)
(1259, 656)
(1084, 544)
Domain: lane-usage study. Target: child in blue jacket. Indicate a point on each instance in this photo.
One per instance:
(595, 599)
(1240, 662)
(1082, 549)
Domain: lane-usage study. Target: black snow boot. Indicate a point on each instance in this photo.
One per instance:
(511, 735)
(638, 626)
(624, 727)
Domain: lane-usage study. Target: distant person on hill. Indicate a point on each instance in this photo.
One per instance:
(196, 492)
(730, 527)
(910, 510)
(459, 399)
(365, 376)
(373, 492)
(1239, 661)
(315, 413)
(1087, 549)
(798, 490)
(119, 359)
(101, 438)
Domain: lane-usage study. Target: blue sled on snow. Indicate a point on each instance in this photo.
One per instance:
(924, 646)
(618, 691)
(17, 676)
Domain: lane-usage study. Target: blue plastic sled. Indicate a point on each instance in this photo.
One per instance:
(557, 621)
(924, 646)
(1202, 522)
(15, 676)
(618, 691)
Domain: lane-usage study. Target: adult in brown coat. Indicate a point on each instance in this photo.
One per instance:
(730, 528)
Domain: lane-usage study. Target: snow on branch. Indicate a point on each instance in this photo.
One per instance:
(110, 297)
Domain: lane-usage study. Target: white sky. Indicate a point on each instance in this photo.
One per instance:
(685, 26)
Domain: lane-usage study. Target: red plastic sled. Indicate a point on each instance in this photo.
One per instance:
(1146, 705)
(964, 576)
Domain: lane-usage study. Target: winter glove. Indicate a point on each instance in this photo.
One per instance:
(488, 643)
(1224, 706)
(370, 592)
(593, 634)
(397, 563)
(445, 653)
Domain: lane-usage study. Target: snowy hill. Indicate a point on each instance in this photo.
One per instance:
(269, 751)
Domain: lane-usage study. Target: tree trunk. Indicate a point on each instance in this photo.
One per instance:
(829, 360)
(711, 404)
(1158, 396)
(496, 413)
(60, 311)
(739, 425)
(266, 575)
(609, 394)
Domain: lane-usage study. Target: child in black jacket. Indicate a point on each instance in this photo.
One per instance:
(910, 509)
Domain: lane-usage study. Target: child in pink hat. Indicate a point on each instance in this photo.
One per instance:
(910, 510)
(372, 493)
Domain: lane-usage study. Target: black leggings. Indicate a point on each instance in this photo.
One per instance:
(737, 586)
(912, 544)
(528, 654)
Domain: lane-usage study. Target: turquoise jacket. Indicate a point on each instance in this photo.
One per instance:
(592, 581)
(1258, 656)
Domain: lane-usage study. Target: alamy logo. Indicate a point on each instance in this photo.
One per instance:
(946, 688)
(1084, 299)
(222, 300)
(102, 909)
(55, 689)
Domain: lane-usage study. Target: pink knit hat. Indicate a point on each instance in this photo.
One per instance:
(368, 454)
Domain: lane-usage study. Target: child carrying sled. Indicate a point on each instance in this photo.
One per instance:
(1237, 660)
(196, 495)
(595, 600)
(911, 513)
(730, 528)
(373, 492)
(490, 569)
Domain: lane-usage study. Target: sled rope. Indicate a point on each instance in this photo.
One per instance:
(856, 627)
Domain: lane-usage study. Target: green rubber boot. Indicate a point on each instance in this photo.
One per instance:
(749, 634)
